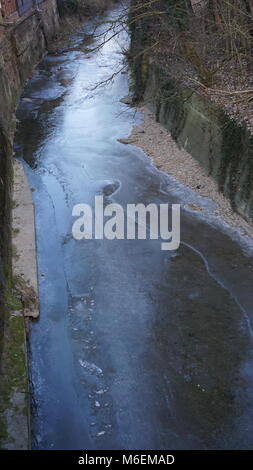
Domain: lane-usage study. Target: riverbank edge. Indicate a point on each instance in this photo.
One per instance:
(167, 156)
(23, 305)
(22, 47)
(222, 146)
(19, 281)
(22, 302)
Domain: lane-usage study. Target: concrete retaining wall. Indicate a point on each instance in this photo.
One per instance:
(222, 147)
(22, 46)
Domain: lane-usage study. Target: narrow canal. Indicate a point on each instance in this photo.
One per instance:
(135, 347)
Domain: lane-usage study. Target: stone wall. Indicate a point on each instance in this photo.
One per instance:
(222, 147)
(22, 45)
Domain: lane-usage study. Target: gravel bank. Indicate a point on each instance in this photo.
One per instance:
(158, 144)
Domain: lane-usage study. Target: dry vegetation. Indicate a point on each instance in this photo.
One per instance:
(206, 44)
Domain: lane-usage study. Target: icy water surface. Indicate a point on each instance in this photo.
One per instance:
(135, 347)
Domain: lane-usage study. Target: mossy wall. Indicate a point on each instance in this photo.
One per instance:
(21, 47)
(5, 222)
(222, 147)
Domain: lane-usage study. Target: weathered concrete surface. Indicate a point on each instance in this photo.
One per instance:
(21, 47)
(24, 243)
(221, 146)
(5, 220)
(14, 392)
(134, 347)
(21, 301)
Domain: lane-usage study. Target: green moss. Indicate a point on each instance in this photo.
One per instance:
(14, 372)
(237, 150)
(144, 68)
(221, 145)
(15, 358)
(12, 297)
(14, 204)
(3, 430)
(12, 301)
